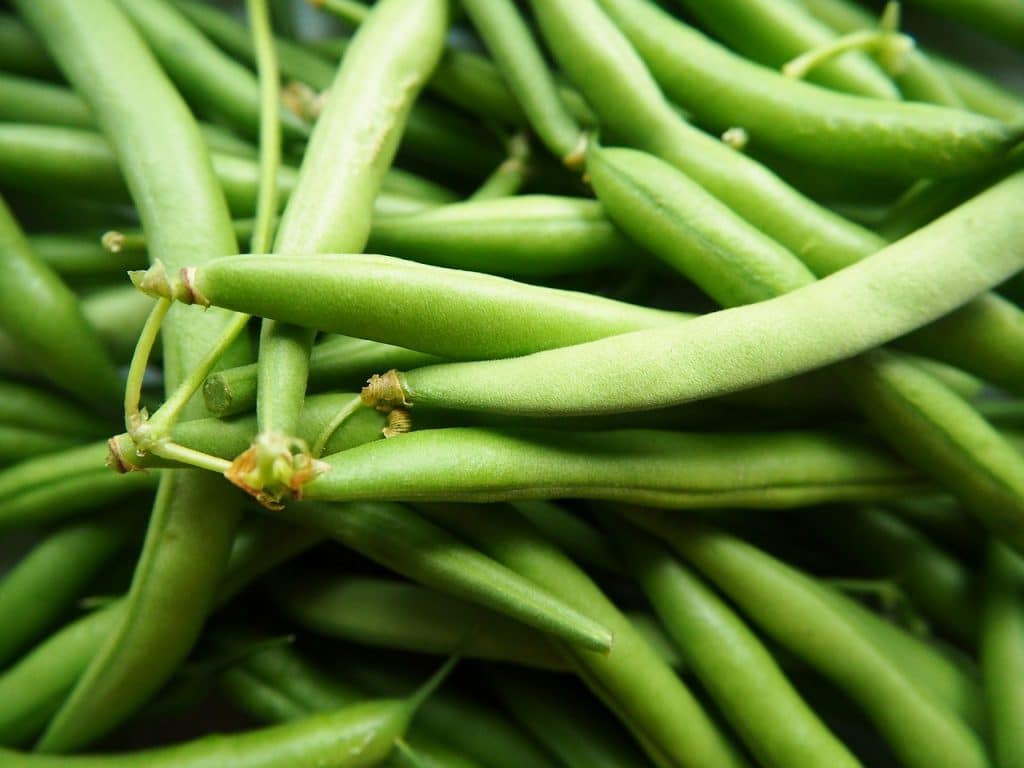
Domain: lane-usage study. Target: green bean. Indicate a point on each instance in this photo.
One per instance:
(523, 236)
(358, 736)
(41, 316)
(475, 728)
(737, 670)
(799, 119)
(774, 33)
(60, 567)
(883, 294)
(39, 157)
(18, 443)
(339, 361)
(395, 615)
(922, 79)
(118, 314)
(195, 518)
(20, 50)
(580, 735)
(521, 62)
(786, 606)
(528, 317)
(675, 470)
(206, 76)
(82, 256)
(1002, 659)
(433, 134)
(632, 681)
(392, 55)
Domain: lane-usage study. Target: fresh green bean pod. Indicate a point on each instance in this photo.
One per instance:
(403, 616)
(868, 304)
(939, 585)
(911, 140)
(21, 51)
(359, 736)
(580, 540)
(331, 208)
(741, 675)
(468, 723)
(522, 236)
(206, 76)
(18, 443)
(398, 538)
(922, 79)
(632, 681)
(337, 362)
(786, 606)
(347, 300)
(82, 256)
(118, 314)
(669, 469)
(195, 517)
(60, 567)
(41, 315)
(25, 100)
(774, 33)
(1002, 652)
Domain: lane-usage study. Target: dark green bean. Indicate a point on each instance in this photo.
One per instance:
(632, 681)
(20, 50)
(59, 567)
(27, 406)
(1002, 19)
(1002, 652)
(580, 540)
(789, 608)
(19, 443)
(403, 616)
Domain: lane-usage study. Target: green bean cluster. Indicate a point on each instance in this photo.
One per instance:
(496, 384)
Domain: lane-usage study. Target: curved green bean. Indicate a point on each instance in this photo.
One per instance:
(25, 100)
(22, 405)
(21, 51)
(786, 605)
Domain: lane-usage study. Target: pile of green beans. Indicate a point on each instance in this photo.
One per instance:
(497, 384)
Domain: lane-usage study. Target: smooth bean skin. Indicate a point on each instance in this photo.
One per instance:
(22, 405)
(786, 606)
(25, 100)
(579, 539)
(870, 303)
(580, 734)
(911, 140)
(41, 315)
(665, 469)
(403, 541)
(397, 615)
(1002, 652)
(61, 567)
(18, 443)
(352, 146)
(774, 33)
(981, 94)
(632, 681)
(342, 294)
(741, 675)
(161, 152)
(521, 236)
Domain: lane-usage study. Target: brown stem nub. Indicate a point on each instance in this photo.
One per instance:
(385, 392)
(399, 423)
